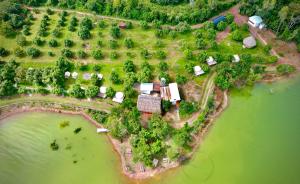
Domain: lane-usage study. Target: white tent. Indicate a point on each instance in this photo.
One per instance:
(119, 97)
(100, 76)
(198, 70)
(210, 61)
(236, 58)
(67, 74)
(87, 76)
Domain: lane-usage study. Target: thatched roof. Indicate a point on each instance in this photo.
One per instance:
(249, 42)
(148, 103)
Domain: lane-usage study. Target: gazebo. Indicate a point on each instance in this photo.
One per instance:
(249, 42)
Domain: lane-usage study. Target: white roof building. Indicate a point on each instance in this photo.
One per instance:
(236, 58)
(210, 61)
(249, 42)
(255, 21)
(198, 70)
(74, 75)
(146, 88)
(67, 74)
(102, 92)
(174, 92)
(119, 97)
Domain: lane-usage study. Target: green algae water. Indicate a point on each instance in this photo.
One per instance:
(256, 140)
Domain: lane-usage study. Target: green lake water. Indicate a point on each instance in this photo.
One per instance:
(255, 141)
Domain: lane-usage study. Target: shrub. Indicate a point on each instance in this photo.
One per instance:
(166, 105)
(3, 52)
(113, 44)
(77, 92)
(67, 53)
(115, 78)
(21, 40)
(229, 18)
(161, 54)
(56, 33)
(129, 43)
(145, 54)
(97, 68)
(26, 30)
(128, 66)
(38, 41)
(97, 54)
(221, 26)
(144, 25)
(285, 69)
(187, 108)
(180, 79)
(33, 52)
(19, 52)
(81, 54)
(68, 43)
(92, 91)
(114, 55)
(237, 36)
(84, 33)
(163, 66)
(183, 28)
(188, 54)
(102, 24)
(115, 32)
(110, 92)
(53, 43)
(51, 54)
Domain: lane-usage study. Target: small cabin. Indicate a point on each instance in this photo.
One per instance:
(256, 21)
(219, 19)
(146, 88)
(211, 61)
(198, 70)
(122, 25)
(119, 97)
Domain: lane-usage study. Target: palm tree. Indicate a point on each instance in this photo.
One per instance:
(283, 13)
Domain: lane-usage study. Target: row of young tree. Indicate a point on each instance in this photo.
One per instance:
(282, 16)
(135, 9)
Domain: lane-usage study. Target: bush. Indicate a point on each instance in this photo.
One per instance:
(21, 41)
(145, 54)
(237, 36)
(97, 68)
(77, 92)
(129, 43)
(110, 92)
(221, 26)
(166, 105)
(187, 108)
(128, 66)
(285, 69)
(115, 78)
(97, 54)
(180, 79)
(183, 28)
(19, 52)
(229, 18)
(115, 32)
(161, 54)
(3, 52)
(53, 43)
(56, 33)
(38, 41)
(84, 33)
(81, 54)
(163, 66)
(67, 53)
(92, 91)
(144, 25)
(113, 44)
(69, 43)
(114, 55)
(33, 52)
